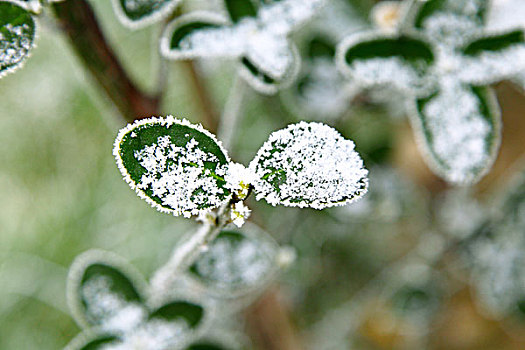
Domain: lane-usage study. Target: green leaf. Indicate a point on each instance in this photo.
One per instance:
(459, 129)
(309, 165)
(236, 263)
(494, 43)
(97, 342)
(399, 61)
(239, 9)
(17, 35)
(474, 9)
(180, 310)
(177, 167)
(100, 285)
(139, 13)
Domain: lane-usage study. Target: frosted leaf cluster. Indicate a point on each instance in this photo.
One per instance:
(236, 262)
(179, 178)
(16, 40)
(309, 165)
(261, 40)
(458, 134)
(459, 128)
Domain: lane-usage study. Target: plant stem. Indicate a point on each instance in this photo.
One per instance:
(77, 20)
(184, 255)
(409, 11)
(232, 111)
(209, 114)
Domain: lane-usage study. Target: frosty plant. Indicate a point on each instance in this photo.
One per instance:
(256, 33)
(182, 169)
(443, 60)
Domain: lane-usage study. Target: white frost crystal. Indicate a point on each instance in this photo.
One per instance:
(309, 165)
(174, 174)
(239, 213)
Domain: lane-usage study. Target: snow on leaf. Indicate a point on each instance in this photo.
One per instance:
(236, 262)
(177, 167)
(493, 58)
(17, 35)
(104, 291)
(396, 61)
(460, 131)
(139, 13)
(309, 165)
(506, 15)
(267, 58)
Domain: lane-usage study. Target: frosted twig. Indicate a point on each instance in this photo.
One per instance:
(232, 111)
(185, 254)
(409, 10)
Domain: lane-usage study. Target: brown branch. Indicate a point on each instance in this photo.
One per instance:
(78, 21)
(209, 114)
(269, 324)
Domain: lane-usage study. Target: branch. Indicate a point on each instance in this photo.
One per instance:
(77, 20)
(209, 114)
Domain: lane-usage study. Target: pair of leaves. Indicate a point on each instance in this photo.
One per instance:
(140, 13)
(443, 65)
(255, 34)
(107, 298)
(17, 35)
(182, 169)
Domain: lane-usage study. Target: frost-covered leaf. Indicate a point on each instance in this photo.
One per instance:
(472, 9)
(17, 35)
(89, 342)
(236, 263)
(459, 129)
(309, 165)
(174, 311)
(493, 58)
(104, 291)
(177, 167)
(260, 42)
(139, 13)
(401, 62)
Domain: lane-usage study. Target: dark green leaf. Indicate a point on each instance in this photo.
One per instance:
(205, 346)
(495, 43)
(176, 166)
(463, 8)
(409, 49)
(180, 310)
(17, 35)
(239, 9)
